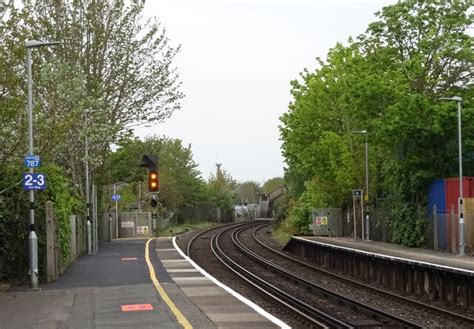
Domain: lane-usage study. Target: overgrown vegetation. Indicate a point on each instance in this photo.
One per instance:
(388, 82)
(111, 71)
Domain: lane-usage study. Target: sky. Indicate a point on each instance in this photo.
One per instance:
(236, 62)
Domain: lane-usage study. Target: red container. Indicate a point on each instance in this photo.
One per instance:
(452, 191)
(452, 195)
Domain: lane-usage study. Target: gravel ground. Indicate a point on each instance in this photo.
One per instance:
(201, 254)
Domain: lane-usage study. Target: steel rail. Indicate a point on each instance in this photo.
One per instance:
(310, 313)
(371, 311)
(389, 294)
(188, 249)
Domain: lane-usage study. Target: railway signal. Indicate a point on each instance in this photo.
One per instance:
(150, 161)
(153, 181)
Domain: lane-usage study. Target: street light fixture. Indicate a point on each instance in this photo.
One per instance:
(32, 238)
(367, 234)
(460, 207)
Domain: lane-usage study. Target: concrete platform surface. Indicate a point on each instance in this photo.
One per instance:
(115, 289)
(464, 263)
(222, 308)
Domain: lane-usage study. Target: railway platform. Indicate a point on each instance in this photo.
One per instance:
(429, 258)
(434, 275)
(134, 283)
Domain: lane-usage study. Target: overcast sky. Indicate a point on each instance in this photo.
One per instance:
(236, 62)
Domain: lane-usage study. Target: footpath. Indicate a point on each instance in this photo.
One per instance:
(113, 289)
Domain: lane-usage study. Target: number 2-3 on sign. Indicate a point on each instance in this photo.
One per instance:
(34, 181)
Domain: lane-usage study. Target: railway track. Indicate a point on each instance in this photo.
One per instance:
(459, 319)
(367, 315)
(319, 307)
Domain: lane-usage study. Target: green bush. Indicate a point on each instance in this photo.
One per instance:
(14, 220)
(407, 228)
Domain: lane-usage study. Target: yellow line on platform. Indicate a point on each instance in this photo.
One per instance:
(176, 312)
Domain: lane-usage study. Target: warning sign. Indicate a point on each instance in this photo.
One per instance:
(142, 230)
(320, 220)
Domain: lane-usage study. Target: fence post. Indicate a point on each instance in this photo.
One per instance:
(110, 227)
(435, 228)
(50, 237)
(453, 230)
(95, 237)
(72, 244)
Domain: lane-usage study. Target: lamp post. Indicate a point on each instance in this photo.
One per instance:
(367, 234)
(88, 223)
(32, 238)
(460, 201)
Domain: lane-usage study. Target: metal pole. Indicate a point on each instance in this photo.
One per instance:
(139, 196)
(460, 204)
(110, 225)
(89, 246)
(89, 233)
(460, 200)
(354, 214)
(116, 214)
(362, 214)
(94, 219)
(32, 238)
(367, 186)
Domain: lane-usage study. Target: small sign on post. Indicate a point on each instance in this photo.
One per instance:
(358, 194)
(32, 161)
(34, 181)
(116, 197)
(320, 220)
(142, 230)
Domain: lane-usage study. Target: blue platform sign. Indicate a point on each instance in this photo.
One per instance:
(32, 161)
(34, 181)
(116, 197)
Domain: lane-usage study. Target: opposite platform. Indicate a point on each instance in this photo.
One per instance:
(430, 258)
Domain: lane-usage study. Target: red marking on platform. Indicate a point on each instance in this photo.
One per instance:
(137, 307)
(129, 258)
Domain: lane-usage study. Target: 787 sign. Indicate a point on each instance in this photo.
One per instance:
(32, 161)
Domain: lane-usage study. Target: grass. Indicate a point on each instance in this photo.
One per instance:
(281, 236)
(284, 232)
(184, 227)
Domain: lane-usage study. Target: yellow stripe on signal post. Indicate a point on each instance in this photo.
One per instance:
(176, 312)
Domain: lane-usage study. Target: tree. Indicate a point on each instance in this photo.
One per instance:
(246, 192)
(388, 82)
(181, 184)
(221, 187)
(109, 62)
(272, 184)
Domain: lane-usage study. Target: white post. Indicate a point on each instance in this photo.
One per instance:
(362, 214)
(89, 234)
(89, 245)
(460, 210)
(32, 238)
(116, 214)
(354, 214)
(367, 226)
(460, 200)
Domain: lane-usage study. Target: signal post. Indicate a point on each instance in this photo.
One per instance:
(150, 161)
